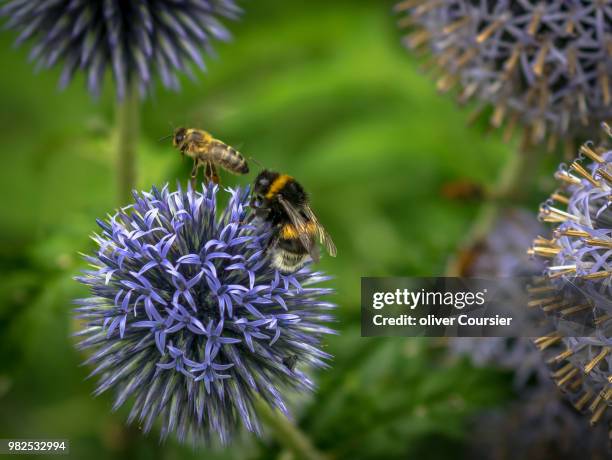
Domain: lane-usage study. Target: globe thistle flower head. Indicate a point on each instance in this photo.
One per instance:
(136, 41)
(543, 64)
(575, 288)
(540, 422)
(501, 254)
(538, 425)
(187, 318)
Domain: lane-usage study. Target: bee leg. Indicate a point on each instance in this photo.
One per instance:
(257, 211)
(211, 173)
(216, 177)
(194, 170)
(253, 205)
(273, 241)
(208, 173)
(194, 173)
(251, 217)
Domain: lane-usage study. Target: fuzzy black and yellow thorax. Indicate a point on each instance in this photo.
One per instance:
(277, 185)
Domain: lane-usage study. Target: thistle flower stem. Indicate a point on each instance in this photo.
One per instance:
(507, 187)
(127, 119)
(287, 434)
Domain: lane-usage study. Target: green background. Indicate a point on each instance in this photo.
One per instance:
(321, 90)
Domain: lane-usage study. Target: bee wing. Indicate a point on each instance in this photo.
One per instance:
(300, 225)
(323, 235)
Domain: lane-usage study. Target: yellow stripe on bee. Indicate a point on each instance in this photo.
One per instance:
(289, 232)
(277, 185)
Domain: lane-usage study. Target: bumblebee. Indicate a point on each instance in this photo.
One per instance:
(209, 152)
(281, 201)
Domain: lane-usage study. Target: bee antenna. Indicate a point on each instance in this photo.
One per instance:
(256, 162)
(164, 138)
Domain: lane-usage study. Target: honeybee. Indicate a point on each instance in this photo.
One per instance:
(280, 200)
(209, 152)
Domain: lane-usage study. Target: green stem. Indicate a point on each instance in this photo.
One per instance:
(127, 119)
(287, 434)
(508, 186)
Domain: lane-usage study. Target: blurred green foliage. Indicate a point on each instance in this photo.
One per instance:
(322, 90)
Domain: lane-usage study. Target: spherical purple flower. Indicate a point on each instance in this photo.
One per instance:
(539, 425)
(188, 319)
(545, 64)
(136, 40)
(501, 254)
(576, 287)
(540, 421)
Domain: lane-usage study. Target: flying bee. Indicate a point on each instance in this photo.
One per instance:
(209, 152)
(281, 201)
